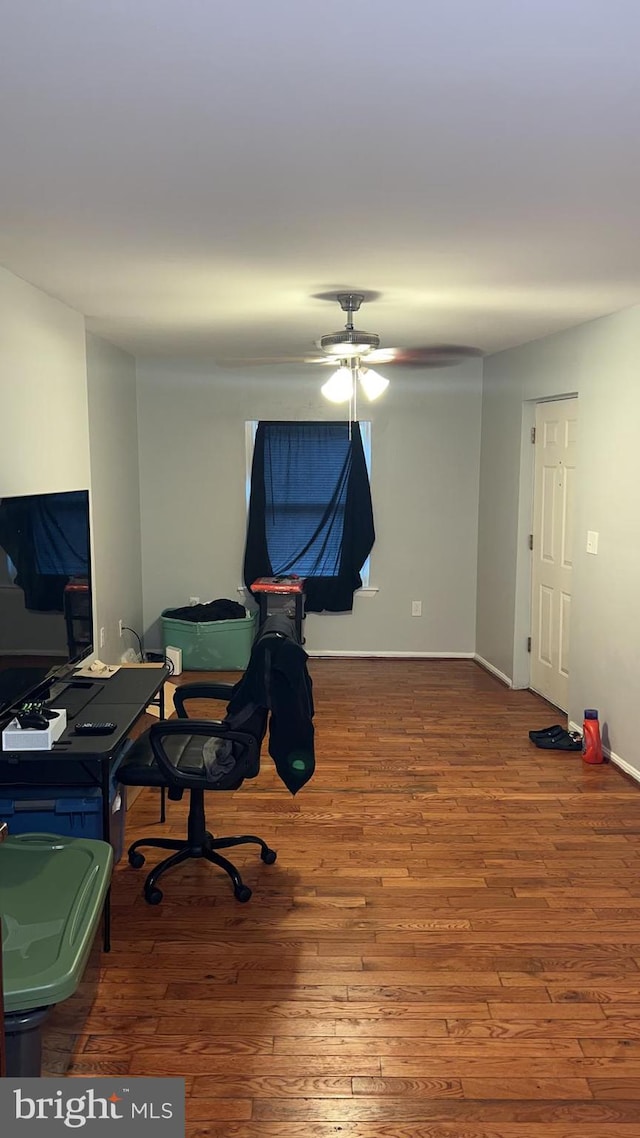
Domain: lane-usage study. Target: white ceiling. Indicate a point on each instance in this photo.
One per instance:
(190, 173)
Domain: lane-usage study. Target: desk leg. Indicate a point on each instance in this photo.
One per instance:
(106, 922)
(106, 836)
(163, 807)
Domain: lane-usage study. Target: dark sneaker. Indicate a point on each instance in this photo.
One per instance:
(562, 742)
(547, 732)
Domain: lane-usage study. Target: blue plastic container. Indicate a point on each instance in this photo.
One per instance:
(70, 812)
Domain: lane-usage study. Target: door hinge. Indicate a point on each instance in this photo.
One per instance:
(530, 541)
(528, 643)
(533, 434)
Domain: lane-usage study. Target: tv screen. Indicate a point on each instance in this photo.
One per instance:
(46, 610)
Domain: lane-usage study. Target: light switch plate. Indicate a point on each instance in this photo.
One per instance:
(592, 541)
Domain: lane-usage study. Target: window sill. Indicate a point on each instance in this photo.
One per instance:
(365, 591)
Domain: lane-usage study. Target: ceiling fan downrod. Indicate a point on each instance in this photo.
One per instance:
(351, 341)
(350, 301)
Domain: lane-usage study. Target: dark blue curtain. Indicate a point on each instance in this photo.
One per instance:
(310, 510)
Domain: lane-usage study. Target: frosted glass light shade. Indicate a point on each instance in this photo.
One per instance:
(339, 386)
(373, 384)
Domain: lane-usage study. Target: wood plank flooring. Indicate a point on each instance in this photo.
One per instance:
(448, 944)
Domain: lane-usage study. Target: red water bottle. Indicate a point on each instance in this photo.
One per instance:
(591, 742)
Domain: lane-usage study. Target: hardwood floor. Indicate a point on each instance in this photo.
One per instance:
(448, 944)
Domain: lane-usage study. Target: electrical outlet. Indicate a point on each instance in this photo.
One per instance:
(102, 637)
(416, 608)
(120, 629)
(194, 600)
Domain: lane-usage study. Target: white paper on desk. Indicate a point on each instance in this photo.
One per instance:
(169, 691)
(97, 671)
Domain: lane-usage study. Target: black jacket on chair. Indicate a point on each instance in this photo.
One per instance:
(277, 684)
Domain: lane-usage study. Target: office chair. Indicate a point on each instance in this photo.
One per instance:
(209, 755)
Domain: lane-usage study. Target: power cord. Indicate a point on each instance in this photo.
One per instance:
(150, 657)
(125, 628)
(160, 658)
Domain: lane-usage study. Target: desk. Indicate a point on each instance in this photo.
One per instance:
(121, 699)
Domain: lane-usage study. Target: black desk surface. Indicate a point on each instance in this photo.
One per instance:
(120, 700)
(70, 745)
(131, 685)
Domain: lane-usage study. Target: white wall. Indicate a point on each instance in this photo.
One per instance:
(43, 392)
(64, 430)
(113, 442)
(425, 444)
(599, 361)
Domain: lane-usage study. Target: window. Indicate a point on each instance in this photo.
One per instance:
(301, 507)
(310, 507)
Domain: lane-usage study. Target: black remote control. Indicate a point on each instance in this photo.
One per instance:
(94, 728)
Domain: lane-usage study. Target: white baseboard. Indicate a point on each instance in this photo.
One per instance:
(624, 765)
(494, 671)
(318, 653)
(617, 759)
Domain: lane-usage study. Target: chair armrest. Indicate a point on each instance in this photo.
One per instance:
(205, 727)
(200, 690)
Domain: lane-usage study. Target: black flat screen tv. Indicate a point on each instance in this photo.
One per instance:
(46, 608)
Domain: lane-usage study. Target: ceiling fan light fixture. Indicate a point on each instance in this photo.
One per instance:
(350, 346)
(349, 342)
(372, 383)
(339, 386)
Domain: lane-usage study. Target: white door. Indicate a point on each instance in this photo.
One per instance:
(553, 505)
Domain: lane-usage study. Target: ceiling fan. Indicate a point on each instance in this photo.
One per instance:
(357, 350)
(351, 341)
(353, 351)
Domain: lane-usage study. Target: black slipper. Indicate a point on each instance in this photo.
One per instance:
(562, 742)
(546, 732)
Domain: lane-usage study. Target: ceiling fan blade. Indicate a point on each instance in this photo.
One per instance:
(266, 361)
(434, 355)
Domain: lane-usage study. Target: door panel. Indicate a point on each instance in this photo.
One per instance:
(548, 513)
(568, 502)
(545, 640)
(565, 614)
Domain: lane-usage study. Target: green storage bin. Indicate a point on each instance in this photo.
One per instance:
(215, 645)
(52, 891)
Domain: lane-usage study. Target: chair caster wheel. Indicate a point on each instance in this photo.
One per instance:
(268, 856)
(153, 896)
(242, 893)
(136, 860)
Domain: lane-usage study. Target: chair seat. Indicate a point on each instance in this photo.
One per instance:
(186, 753)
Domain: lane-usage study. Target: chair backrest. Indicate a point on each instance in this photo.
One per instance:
(277, 683)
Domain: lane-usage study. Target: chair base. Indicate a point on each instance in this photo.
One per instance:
(204, 848)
